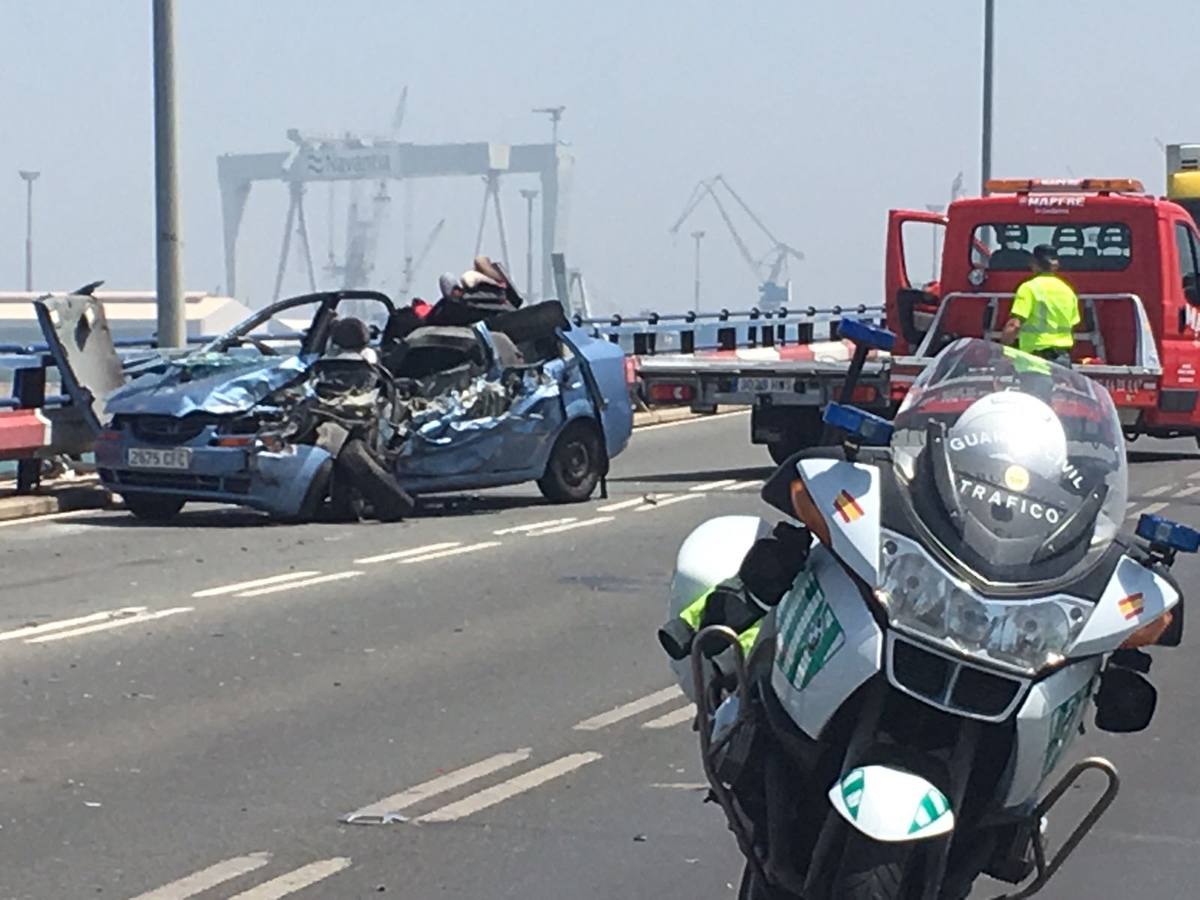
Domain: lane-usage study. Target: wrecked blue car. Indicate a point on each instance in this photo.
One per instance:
(313, 407)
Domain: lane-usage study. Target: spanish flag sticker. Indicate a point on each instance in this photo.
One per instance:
(847, 507)
(1131, 607)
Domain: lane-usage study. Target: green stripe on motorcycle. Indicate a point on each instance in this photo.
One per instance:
(852, 791)
(932, 807)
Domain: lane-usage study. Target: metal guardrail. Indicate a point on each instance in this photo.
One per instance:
(640, 335)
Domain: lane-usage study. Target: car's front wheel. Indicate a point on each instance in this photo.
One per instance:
(576, 464)
(153, 507)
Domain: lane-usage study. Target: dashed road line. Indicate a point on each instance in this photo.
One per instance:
(1157, 491)
(668, 501)
(295, 880)
(408, 797)
(517, 529)
(713, 485)
(1147, 510)
(743, 485)
(598, 520)
(295, 585)
(505, 790)
(405, 554)
(1188, 491)
(673, 718)
(632, 708)
(441, 554)
(30, 630)
(680, 785)
(624, 504)
(248, 585)
(136, 619)
(199, 882)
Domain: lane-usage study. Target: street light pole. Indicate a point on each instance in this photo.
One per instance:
(985, 167)
(529, 194)
(698, 236)
(172, 323)
(29, 178)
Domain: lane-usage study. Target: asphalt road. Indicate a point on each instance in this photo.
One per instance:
(488, 673)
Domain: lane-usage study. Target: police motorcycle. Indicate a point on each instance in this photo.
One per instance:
(963, 597)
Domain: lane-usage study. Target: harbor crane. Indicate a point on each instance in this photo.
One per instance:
(767, 269)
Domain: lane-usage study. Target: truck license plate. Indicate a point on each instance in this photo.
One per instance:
(765, 385)
(159, 458)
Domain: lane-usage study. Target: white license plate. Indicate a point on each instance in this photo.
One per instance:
(159, 458)
(764, 385)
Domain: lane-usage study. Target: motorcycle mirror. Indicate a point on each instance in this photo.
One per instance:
(1125, 702)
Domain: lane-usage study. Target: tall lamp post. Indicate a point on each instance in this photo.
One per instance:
(985, 167)
(29, 178)
(172, 325)
(529, 194)
(698, 236)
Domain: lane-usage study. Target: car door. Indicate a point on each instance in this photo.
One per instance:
(81, 344)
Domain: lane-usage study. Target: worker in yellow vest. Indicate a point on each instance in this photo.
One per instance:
(1044, 311)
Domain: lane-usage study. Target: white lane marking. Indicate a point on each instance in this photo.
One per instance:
(598, 520)
(712, 418)
(307, 582)
(27, 630)
(246, 585)
(1157, 491)
(507, 789)
(680, 785)
(624, 504)
(448, 782)
(470, 548)
(1188, 491)
(404, 554)
(742, 485)
(632, 708)
(295, 880)
(49, 517)
(108, 626)
(536, 525)
(668, 501)
(1147, 510)
(673, 718)
(1194, 475)
(712, 485)
(201, 881)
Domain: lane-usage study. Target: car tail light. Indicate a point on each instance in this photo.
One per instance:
(235, 440)
(864, 393)
(671, 393)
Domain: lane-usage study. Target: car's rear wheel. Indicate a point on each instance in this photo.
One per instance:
(153, 507)
(576, 464)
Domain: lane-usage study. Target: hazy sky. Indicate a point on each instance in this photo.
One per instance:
(822, 115)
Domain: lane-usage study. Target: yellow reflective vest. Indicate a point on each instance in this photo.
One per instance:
(1049, 311)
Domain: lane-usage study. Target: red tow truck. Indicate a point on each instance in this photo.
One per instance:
(1133, 259)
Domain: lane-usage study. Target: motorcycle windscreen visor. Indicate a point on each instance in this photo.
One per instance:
(1016, 484)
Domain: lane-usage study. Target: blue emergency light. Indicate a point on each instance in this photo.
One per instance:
(866, 335)
(1166, 533)
(867, 427)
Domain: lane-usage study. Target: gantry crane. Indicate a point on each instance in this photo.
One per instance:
(768, 268)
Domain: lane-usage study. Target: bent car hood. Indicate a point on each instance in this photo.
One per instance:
(216, 384)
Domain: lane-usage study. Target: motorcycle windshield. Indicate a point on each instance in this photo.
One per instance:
(1014, 466)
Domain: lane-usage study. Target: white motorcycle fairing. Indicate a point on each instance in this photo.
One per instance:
(826, 643)
(1135, 596)
(847, 496)
(891, 805)
(709, 555)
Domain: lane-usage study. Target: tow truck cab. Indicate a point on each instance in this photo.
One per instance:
(1133, 259)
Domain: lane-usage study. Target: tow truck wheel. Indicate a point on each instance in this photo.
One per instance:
(575, 466)
(153, 507)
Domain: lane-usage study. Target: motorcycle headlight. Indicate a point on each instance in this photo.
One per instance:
(921, 599)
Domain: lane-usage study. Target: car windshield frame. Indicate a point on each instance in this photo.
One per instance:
(1017, 507)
